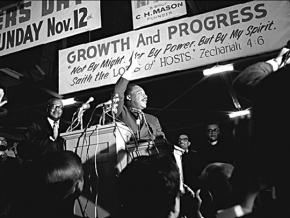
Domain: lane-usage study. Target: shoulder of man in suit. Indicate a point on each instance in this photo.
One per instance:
(150, 116)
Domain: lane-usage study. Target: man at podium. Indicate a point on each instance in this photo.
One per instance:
(132, 102)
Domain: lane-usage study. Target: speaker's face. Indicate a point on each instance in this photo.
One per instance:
(138, 98)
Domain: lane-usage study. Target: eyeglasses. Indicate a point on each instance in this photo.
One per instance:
(185, 139)
(56, 107)
(213, 130)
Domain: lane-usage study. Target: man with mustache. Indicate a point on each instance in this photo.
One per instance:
(132, 102)
(42, 135)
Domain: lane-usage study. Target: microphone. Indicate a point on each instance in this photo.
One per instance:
(83, 108)
(104, 104)
(110, 102)
(86, 105)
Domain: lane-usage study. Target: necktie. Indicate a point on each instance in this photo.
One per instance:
(140, 120)
(144, 121)
(140, 117)
(55, 130)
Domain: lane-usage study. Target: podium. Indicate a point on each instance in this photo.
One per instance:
(105, 150)
(102, 150)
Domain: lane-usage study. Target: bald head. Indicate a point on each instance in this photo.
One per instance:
(55, 108)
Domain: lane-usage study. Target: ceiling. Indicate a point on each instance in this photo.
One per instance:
(182, 100)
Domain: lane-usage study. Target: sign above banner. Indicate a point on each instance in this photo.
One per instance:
(238, 31)
(146, 12)
(32, 23)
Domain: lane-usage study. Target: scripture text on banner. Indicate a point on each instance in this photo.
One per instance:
(242, 30)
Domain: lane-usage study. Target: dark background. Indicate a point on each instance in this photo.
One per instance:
(183, 100)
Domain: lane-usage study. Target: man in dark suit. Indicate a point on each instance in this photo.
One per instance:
(132, 101)
(189, 161)
(215, 146)
(43, 134)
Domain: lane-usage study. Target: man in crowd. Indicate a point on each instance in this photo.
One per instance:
(43, 134)
(215, 146)
(190, 161)
(213, 131)
(183, 142)
(150, 187)
(51, 187)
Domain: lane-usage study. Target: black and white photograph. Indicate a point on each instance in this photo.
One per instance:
(144, 108)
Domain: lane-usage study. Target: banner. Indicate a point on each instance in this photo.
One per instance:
(238, 31)
(32, 23)
(146, 12)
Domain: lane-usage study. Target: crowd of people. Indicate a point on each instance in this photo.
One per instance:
(214, 183)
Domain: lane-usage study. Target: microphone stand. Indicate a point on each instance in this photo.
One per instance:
(80, 118)
(114, 107)
(103, 115)
(113, 116)
(73, 121)
(109, 106)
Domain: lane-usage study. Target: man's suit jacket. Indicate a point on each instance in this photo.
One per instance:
(129, 118)
(36, 141)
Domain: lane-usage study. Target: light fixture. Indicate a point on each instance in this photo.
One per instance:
(68, 101)
(239, 113)
(218, 69)
(40, 70)
(11, 73)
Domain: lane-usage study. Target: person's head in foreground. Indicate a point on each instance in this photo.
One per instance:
(149, 187)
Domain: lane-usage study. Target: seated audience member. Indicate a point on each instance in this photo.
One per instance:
(266, 84)
(56, 182)
(150, 187)
(216, 190)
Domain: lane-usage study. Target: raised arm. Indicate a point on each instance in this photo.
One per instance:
(121, 84)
